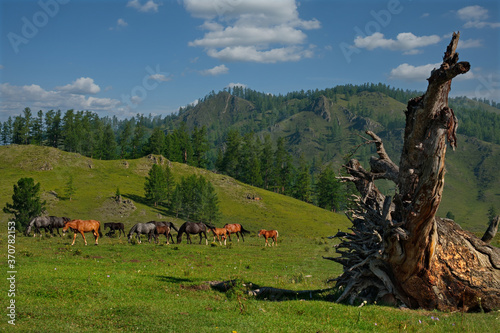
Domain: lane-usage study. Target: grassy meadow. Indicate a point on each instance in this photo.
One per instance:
(121, 286)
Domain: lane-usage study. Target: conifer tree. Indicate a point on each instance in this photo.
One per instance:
(26, 203)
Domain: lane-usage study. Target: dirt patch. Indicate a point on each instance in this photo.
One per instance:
(195, 287)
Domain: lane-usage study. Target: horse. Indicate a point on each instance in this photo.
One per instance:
(36, 223)
(166, 224)
(162, 230)
(113, 227)
(142, 228)
(57, 222)
(269, 234)
(192, 228)
(83, 226)
(235, 229)
(219, 233)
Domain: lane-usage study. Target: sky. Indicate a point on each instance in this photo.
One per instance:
(122, 58)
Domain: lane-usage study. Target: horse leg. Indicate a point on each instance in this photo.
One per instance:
(83, 235)
(96, 235)
(238, 236)
(206, 239)
(241, 233)
(74, 238)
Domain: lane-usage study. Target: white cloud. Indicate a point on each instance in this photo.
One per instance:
(469, 43)
(408, 72)
(217, 70)
(256, 31)
(149, 6)
(475, 17)
(15, 98)
(251, 53)
(232, 85)
(83, 85)
(1, 67)
(405, 41)
(120, 24)
(160, 77)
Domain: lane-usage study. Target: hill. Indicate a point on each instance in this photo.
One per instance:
(326, 126)
(96, 182)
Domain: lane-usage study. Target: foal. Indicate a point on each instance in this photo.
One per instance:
(269, 234)
(219, 232)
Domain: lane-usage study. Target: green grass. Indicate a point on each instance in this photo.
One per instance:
(117, 286)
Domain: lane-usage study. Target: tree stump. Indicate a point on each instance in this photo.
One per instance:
(398, 248)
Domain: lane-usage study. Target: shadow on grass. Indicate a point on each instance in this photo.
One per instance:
(160, 209)
(172, 279)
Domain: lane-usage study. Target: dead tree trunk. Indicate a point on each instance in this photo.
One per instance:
(398, 249)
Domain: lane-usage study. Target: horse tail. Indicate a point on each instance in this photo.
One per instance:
(277, 234)
(243, 230)
(99, 229)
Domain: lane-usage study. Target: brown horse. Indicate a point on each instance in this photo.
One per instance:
(235, 228)
(269, 234)
(219, 233)
(162, 230)
(83, 226)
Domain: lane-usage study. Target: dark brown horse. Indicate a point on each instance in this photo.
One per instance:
(83, 226)
(237, 229)
(219, 233)
(113, 227)
(165, 224)
(269, 234)
(192, 228)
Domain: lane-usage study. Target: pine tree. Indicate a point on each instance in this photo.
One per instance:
(70, 189)
(26, 202)
(155, 185)
(328, 190)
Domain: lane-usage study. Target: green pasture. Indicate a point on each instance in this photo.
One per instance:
(118, 286)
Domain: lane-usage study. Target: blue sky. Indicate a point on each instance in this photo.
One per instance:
(153, 56)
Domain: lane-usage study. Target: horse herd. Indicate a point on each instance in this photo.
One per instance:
(152, 229)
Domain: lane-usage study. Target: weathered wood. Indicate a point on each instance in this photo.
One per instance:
(492, 230)
(398, 246)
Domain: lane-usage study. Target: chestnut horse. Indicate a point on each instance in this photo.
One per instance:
(235, 228)
(219, 233)
(83, 226)
(269, 234)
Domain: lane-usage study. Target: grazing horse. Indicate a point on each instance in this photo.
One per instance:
(236, 229)
(142, 228)
(83, 226)
(162, 230)
(37, 223)
(192, 228)
(270, 234)
(57, 222)
(166, 224)
(219, 233)
(113, 227)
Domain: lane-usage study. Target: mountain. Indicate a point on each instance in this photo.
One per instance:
(328, 127)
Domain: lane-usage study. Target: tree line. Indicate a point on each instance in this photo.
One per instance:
(261, 164)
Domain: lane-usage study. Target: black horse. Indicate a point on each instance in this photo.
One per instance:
(113, 227)
(57, 222)
(164, 224)
(192, 228)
